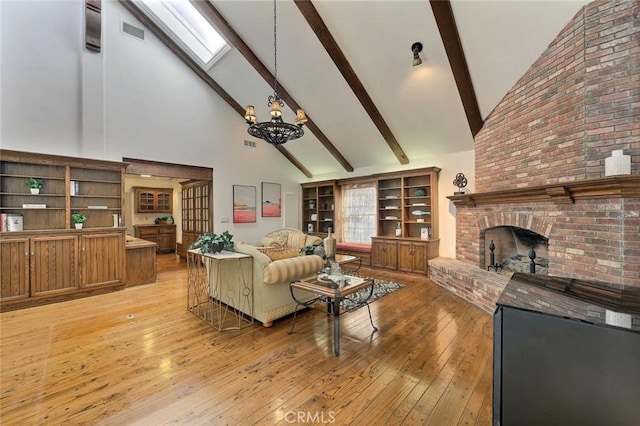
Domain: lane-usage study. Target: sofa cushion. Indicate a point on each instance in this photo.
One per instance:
(260, 258)
(279, 253)
(292, 269)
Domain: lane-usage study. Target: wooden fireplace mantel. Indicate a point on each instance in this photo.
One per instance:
(624, 186)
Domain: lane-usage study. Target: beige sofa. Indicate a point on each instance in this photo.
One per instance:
(271, 295)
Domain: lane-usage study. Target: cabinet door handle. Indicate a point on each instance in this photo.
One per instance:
(26, 253)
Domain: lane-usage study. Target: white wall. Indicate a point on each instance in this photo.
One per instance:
(134, 99)
(40, 45)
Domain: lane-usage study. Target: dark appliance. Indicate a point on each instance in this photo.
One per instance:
(566, 352)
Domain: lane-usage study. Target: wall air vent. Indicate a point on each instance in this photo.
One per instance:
(132, 30)
(249, 144)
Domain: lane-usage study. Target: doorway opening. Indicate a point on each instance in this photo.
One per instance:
(191, 205)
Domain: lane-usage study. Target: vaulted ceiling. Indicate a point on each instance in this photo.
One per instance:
(349, 65)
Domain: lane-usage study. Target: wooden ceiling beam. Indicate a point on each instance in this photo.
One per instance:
(218, 21)
(318, 26)
(147, 22)
(451, 39)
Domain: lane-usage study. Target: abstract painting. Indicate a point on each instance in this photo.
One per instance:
(244, 204)
(271, 200)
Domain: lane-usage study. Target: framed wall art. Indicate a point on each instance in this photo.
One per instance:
(244, 204)
(271, 200)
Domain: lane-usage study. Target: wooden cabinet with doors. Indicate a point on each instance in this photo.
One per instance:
(14, 268)
(102, 259)
(163, 235)
(42, 268)
(320, 202)
(412, 256)
(196, 213)
(37, 266)
(384, 253)
(54, 264)
(48, 260)
(154, 200)
(403, 254)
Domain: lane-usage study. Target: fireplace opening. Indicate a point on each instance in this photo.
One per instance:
(514, 249)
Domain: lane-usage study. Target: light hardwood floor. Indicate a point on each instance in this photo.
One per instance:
(138, 357)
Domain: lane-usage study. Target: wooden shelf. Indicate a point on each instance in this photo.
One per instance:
(399, 191)
(49, 260)
(319, 205)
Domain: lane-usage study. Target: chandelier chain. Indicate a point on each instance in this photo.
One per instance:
(275, 48)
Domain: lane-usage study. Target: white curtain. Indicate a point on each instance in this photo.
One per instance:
(359, 213)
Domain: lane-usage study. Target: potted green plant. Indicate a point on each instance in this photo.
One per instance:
(78, 219)
(34, 185)
(213, 243)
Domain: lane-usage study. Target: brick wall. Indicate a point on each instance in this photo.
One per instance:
(578, 102)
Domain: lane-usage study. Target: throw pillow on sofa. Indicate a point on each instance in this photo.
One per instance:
(279, 253)
(276, 239)
(296, 240)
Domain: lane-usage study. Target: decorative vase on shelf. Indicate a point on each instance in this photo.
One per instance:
(617, 164)
(329, 246)
(78, 225)
(35, 190)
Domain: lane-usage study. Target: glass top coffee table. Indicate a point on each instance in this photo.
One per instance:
(333, 293)
(344, 259)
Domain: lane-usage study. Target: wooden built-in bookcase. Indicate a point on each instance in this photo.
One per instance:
(49, 260)
(319, 206)
(407, 200)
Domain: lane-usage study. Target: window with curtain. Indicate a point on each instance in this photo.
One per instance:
(359, 213)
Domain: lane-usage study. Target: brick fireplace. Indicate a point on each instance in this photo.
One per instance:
(592, 226)
(541, 153)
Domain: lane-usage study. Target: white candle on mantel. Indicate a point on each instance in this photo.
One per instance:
(617, 164)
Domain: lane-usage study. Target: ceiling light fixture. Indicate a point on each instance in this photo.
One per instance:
(275, 131)
(416, 48)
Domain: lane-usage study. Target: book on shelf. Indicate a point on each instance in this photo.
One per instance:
(391, 217)
(34, 206)
(74, 187)
(98, 207)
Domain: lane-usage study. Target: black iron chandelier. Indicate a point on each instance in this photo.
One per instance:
(275, 131)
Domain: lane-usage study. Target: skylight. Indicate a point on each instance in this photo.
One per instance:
(188, 28)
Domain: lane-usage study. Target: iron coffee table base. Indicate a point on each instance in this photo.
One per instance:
(333, 296)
